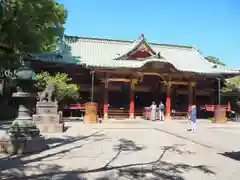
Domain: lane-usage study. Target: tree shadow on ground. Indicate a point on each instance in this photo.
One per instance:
(233, 155)
(17, 163)
(158, 169)
(54, 142)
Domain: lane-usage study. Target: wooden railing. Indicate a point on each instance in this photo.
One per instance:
(179, 114)
(118, 113)
(211, 107)
(147, 113)
(74, 110)
(174, 114)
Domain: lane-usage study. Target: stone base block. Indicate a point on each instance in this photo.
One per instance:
(24, 145)
(50, 128)
(4, 139)
(46, 108)
(49, 123)
(47, 118)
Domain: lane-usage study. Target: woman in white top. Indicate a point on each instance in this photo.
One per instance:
(153, 111)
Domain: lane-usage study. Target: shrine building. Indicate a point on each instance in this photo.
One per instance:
(124, 76)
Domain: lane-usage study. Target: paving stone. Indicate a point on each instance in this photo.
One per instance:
(131, 151)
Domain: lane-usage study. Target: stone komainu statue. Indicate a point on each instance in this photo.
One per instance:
(47, 93)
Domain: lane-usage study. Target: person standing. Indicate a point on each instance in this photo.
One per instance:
(153, 111)
(161, 111)
(193, 117)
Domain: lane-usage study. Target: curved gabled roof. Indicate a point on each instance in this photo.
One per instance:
(107, 53)
(133, 47)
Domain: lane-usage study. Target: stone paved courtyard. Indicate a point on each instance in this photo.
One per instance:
(132, 150)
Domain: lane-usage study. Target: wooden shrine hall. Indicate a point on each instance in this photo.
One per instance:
(124, 77)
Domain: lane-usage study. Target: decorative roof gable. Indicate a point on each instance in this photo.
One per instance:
(138, 50)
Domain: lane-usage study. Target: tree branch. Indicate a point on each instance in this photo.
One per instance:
(10, 20)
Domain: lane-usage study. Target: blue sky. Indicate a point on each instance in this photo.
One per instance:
(213, 26)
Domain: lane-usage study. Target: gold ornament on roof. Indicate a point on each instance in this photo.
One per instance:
(143, 48)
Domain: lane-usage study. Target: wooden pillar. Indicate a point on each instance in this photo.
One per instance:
(190, 94)
(168, 101)
(194, 95)
(212, 98)
(105, 105)
(132, 103)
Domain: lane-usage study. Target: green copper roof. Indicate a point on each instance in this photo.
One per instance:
(105, 53)
(62, 54)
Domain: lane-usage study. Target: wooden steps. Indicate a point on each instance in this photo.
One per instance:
(120, 113)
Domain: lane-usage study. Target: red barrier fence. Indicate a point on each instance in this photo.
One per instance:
(147, 113)
(75, 106)
(211, 108)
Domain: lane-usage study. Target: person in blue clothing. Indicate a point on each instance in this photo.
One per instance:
(193, 117)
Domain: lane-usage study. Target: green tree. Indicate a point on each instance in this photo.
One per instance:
(64, 89)
(214, 60)
(28, 26)
(231, 84)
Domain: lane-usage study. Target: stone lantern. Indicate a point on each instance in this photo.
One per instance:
(24, 135)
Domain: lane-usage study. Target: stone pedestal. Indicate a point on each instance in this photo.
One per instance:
(22, 136)
(47, 118)
(21, 145)
(27, 145)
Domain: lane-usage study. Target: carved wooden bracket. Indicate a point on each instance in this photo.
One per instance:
(192, 84)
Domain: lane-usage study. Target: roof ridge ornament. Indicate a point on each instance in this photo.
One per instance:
(142, 36)
(159, 55)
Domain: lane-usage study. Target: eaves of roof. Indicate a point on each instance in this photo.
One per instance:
(102, 53)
